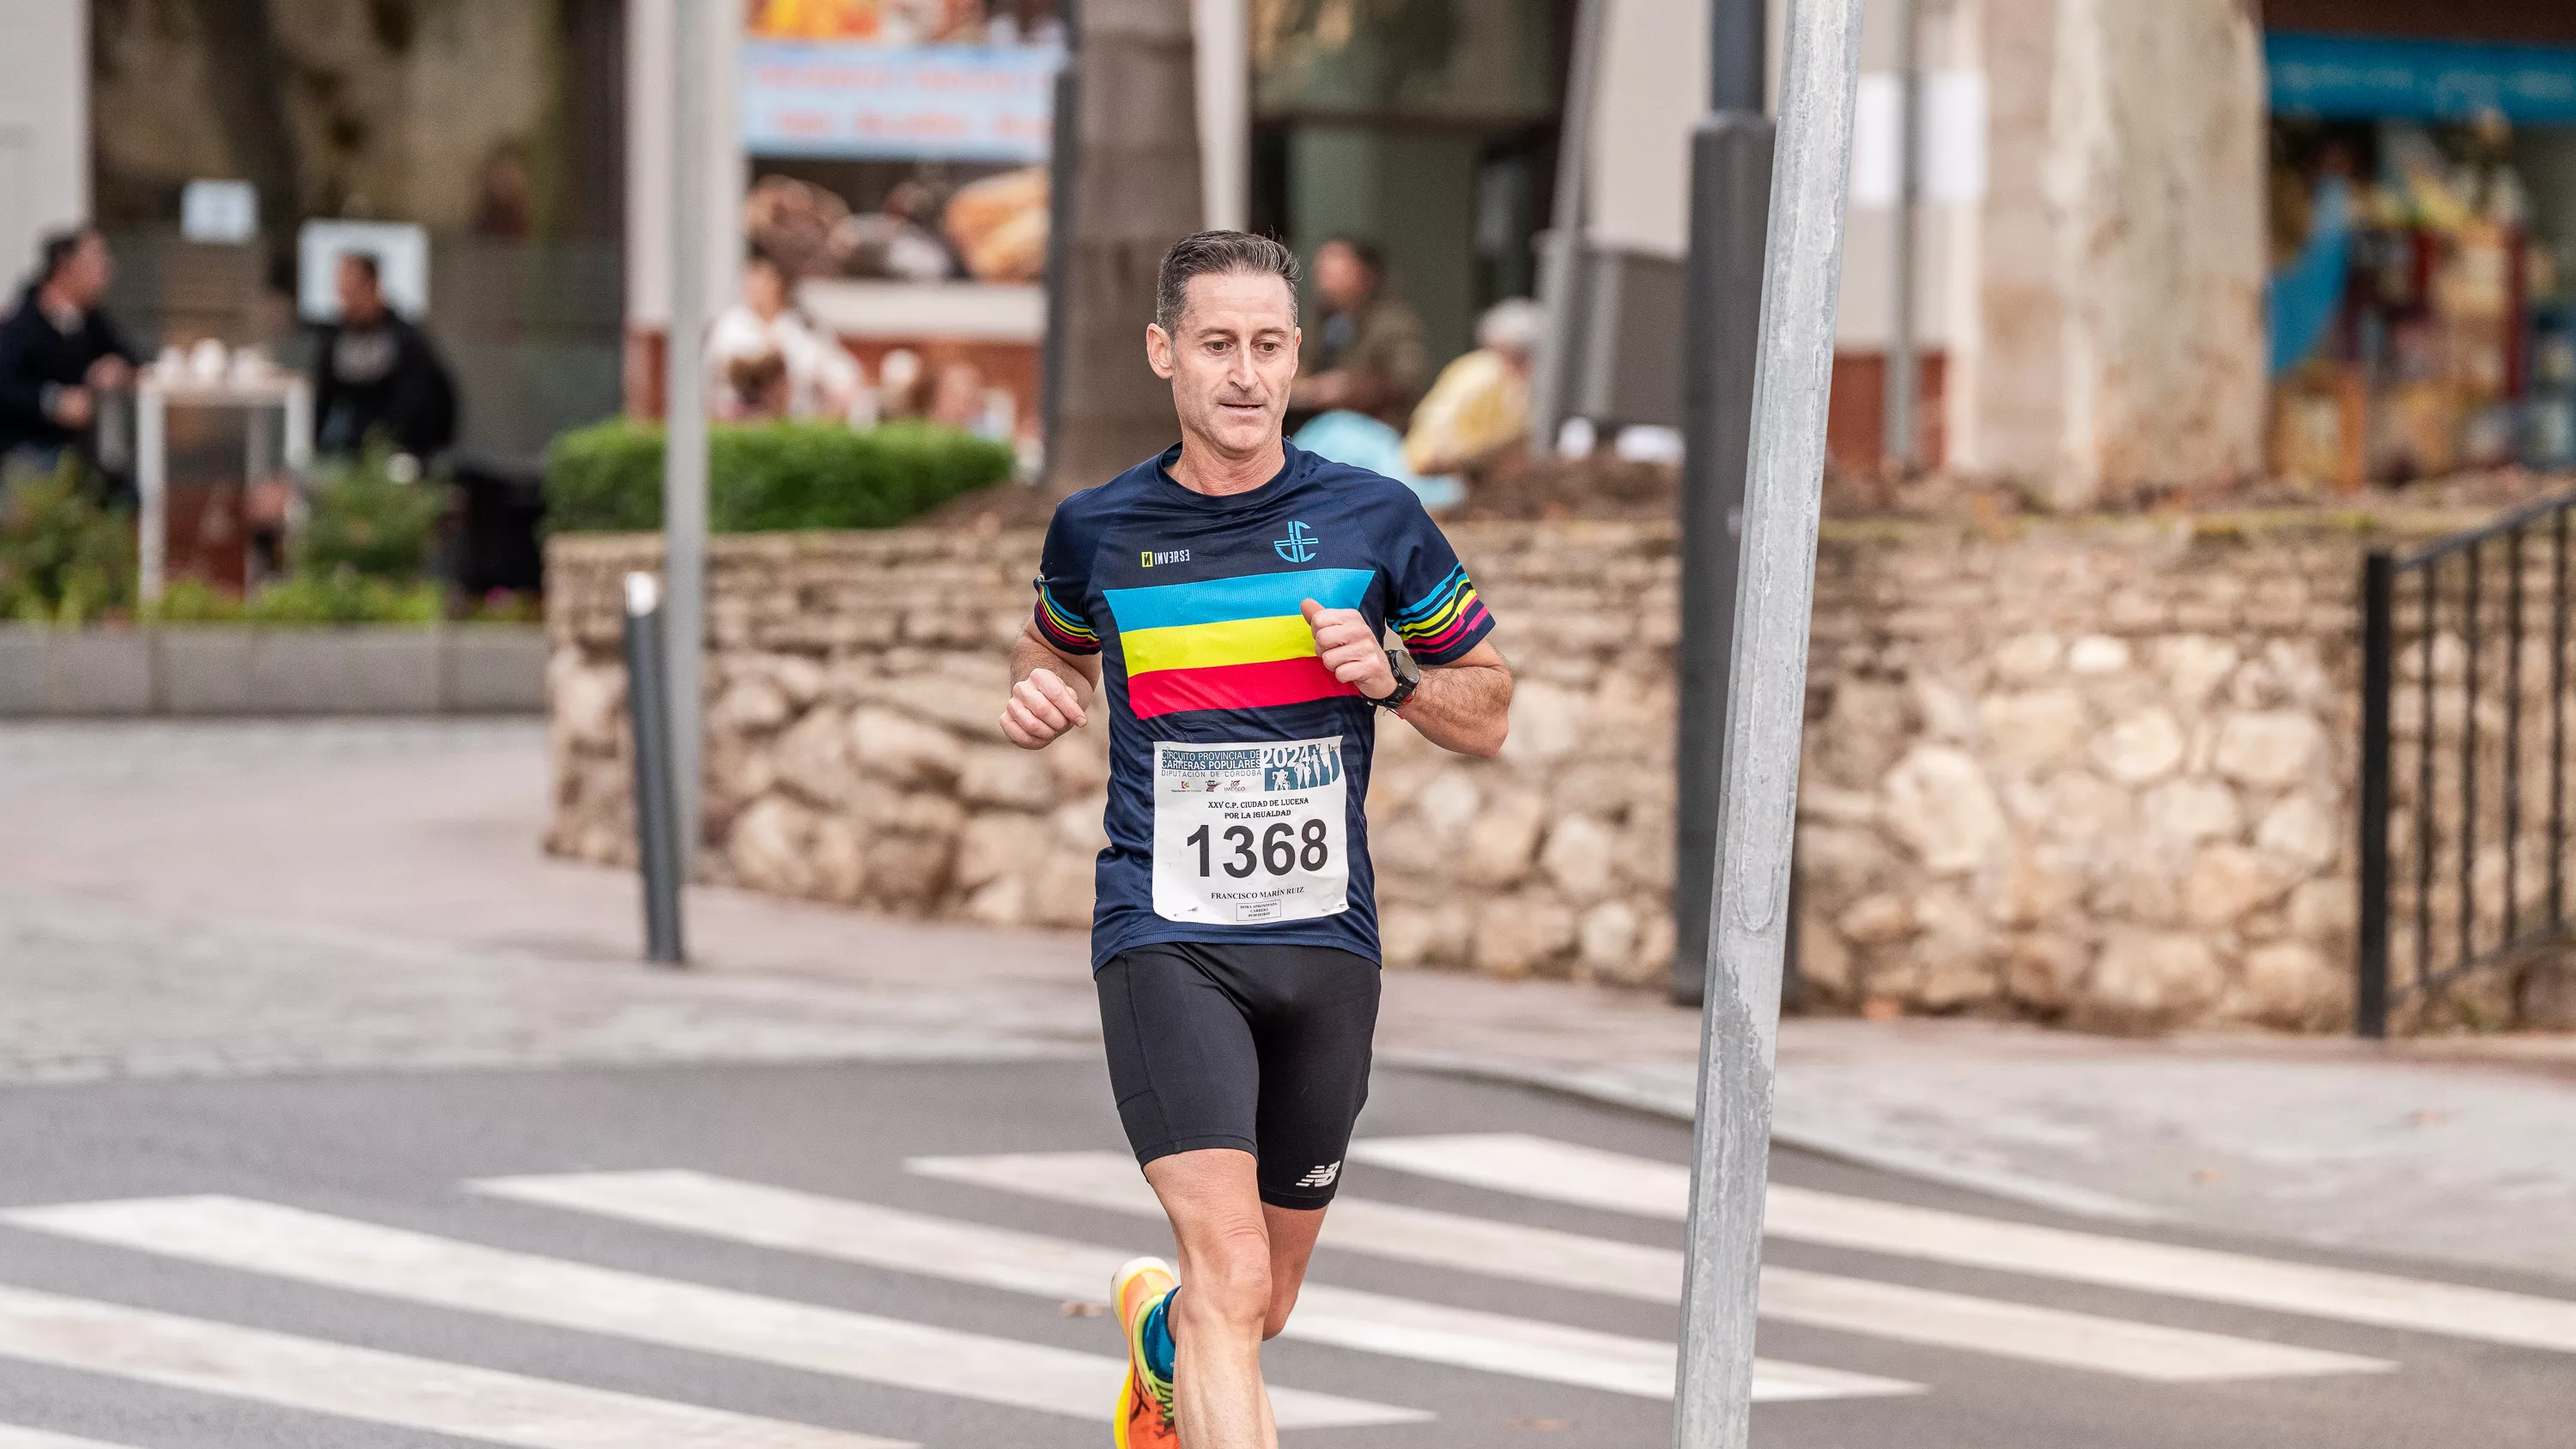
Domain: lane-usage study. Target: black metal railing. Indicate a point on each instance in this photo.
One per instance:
(2464, 778)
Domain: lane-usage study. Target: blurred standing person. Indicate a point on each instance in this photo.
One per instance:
(59, 352)
(1475, 419)
(822, 379)
(378, 374)
(1373, 359)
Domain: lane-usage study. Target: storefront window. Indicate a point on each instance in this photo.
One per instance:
(495, 128)
(2423, 304)
(899, 178)
(1427, 127)
(1488, 60)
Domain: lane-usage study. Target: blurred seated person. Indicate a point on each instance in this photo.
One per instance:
(1367, 356)
(903, 385)
(59, 352)
(1475, 420)
(957, 396)
(755, 389)
(822, 379)
(378, 375)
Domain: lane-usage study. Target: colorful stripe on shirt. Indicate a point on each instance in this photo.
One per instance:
(1443, 618)
(1239, 643)
(1063, 627)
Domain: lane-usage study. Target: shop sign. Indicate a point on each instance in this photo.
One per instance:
(2368, 78)
(859, 100)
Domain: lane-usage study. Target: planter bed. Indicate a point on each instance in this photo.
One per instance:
(208, 669)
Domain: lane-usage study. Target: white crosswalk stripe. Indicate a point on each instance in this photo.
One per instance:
(1027, 1263)
(420, 1268)
(15, 1438)
(371, 1385)
(1565, 1172)
(1631, 1270)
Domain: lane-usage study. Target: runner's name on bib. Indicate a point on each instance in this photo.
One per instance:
(1250, 834)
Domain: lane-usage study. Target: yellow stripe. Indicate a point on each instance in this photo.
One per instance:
(1438, 621)
(1200, 646)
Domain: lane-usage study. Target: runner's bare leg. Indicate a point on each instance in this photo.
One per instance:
(1292, 1243)
(1238, 1283)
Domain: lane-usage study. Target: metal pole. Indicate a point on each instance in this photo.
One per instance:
(151, 489)
(1560, 282)
(684, 459)
(1064, 157)
(1721, 323)
(1766, 708)
(2378, 680)
(657, 814)
(1904, 373)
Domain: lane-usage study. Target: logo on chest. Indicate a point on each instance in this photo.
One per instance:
(1171, 556)
(1298, 546)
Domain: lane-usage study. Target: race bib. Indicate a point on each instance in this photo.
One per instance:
(1249, 834)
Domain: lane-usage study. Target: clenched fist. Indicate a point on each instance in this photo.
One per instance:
(1043, 706)
(1349, 648)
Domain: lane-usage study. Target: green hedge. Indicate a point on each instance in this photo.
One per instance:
(765, 477)
(64, 557)
(344, 597)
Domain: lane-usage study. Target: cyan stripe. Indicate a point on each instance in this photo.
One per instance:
(1440, 594)
(1249, 596)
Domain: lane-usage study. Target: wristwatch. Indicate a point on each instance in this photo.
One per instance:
(1408, 678)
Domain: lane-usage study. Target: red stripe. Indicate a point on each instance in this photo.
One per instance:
(1233, 686)
(1466, 623)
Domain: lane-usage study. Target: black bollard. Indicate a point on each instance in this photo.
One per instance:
(657, 824)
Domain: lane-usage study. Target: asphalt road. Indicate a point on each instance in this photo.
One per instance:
(329, 1260)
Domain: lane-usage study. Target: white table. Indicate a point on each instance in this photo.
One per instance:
(155, 393)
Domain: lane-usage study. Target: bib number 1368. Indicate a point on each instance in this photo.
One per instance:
(1308, 847)
(1250, 834)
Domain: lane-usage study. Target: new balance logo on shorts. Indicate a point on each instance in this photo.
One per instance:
(1322, 1176)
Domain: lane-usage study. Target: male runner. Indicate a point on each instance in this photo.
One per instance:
(1237, 590)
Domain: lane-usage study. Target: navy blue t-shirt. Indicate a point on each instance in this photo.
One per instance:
(1193, 602)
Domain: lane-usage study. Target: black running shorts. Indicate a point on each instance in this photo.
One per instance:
(1261, 1048)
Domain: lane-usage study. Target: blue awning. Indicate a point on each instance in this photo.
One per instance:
(2349, 77)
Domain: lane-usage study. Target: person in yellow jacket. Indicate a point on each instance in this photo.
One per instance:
(1477, 412)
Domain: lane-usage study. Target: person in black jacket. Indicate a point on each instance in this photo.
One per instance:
(59, 352)
(377, 374)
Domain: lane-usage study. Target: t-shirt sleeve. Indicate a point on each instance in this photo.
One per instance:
(1435, 609)
(1064, 583)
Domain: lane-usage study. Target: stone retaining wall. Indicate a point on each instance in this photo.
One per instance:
(2097, 772)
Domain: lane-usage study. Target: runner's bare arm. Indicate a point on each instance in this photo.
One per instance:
(1050, 691)
(1464, 705)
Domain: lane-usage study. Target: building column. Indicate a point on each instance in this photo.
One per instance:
(2120, 312)
(44, 126)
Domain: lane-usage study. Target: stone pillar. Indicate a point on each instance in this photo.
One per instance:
(2120, 317)
(1135, 192)
(44, 124)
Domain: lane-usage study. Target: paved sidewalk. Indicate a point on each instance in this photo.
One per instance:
(220, 898)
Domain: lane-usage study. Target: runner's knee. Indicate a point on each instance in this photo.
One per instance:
(1228, 1281)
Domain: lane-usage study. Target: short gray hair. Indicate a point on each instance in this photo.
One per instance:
(1213, 254)
(1514, 324)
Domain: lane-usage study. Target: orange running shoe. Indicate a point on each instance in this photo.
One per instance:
(1145, 1398)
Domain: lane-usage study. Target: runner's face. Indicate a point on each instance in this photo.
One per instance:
(1234, 359)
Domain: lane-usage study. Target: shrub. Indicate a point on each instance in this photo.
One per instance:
(340, 598)
(64, 557)
(193, 601)
(361, 520)
(765, 477)
(345, 598)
